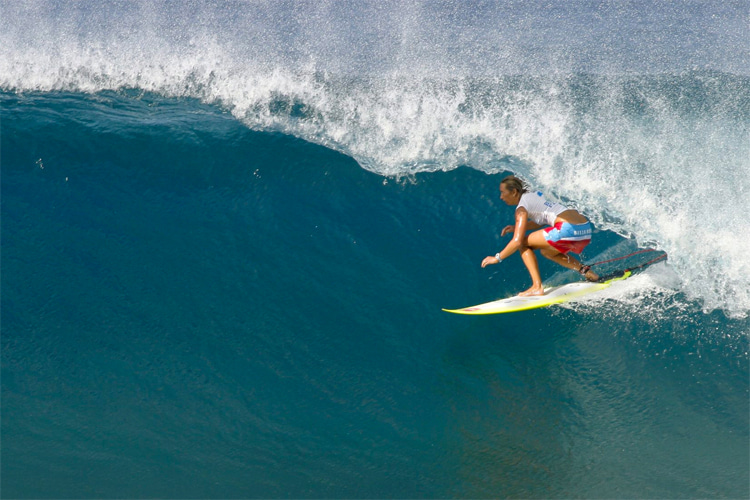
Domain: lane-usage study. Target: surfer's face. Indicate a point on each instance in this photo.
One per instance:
(508, 196)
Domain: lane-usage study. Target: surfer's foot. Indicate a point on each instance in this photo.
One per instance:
(532, 292)
(587, 273)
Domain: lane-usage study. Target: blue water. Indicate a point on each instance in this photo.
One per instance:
(224, 262)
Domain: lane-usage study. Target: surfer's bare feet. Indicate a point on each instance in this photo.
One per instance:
(532, 292)
(592, 276)
(587, 273)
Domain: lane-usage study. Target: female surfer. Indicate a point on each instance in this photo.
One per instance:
(568, 231)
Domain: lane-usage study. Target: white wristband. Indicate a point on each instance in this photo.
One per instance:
(497, 256)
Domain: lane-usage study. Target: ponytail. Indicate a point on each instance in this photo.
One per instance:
(515, 184)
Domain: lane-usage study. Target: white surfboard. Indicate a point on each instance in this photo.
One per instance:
(552, 295)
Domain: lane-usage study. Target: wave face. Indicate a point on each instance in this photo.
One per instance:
(650, 136)
(228, 230)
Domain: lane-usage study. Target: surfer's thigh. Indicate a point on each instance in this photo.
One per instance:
(537, 241)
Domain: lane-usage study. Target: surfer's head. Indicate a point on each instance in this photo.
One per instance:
(511, 189)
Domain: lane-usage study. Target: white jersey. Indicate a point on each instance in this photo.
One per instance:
(541, 210)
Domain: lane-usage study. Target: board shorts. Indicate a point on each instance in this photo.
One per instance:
(566, 237)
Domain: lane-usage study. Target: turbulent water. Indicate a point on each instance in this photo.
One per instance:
(229, 228)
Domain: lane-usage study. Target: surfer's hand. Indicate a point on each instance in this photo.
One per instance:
(506, 230)
(488, 261)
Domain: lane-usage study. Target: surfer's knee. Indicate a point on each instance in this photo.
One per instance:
(549, 252)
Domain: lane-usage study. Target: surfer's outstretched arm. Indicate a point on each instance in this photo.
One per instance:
(518, 242)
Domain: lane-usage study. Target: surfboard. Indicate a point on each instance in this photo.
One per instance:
(552, 295)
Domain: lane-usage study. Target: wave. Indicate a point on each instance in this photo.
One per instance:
(652, 149)
(169, 272)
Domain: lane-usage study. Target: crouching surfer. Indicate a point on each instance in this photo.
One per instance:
(568, 231)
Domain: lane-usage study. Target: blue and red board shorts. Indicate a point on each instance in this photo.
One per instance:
(565, 237)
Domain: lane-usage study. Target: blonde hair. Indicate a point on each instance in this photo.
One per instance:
(514, 183)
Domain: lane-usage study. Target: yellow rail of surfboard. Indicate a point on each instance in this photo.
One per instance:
(554, 295)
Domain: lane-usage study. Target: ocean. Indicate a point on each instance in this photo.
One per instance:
(229, 228)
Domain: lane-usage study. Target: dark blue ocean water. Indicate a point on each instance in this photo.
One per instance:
(224, 279)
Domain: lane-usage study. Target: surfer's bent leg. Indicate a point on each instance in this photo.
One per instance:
(529, 259)
(568, 261)
(558, 241)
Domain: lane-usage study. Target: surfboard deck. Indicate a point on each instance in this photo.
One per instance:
(552, 295)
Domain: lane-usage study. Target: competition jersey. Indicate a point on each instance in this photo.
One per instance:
(541, 210)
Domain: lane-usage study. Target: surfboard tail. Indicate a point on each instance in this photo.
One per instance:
(630, 269)
(613, 276)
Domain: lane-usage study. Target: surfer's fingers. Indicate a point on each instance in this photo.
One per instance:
(488, 260)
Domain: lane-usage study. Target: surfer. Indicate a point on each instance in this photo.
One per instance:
(568, 231)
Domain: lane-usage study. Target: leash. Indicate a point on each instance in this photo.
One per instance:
(620, 273)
